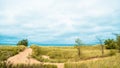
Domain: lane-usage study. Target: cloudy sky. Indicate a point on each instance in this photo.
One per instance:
(58, 21)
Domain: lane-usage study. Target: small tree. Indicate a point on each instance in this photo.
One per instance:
(110, 44)
(118, 42)
(101, 44)
(78, 43)
(23, 42)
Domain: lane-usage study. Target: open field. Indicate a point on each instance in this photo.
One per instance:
(59, 57)
(64, 54)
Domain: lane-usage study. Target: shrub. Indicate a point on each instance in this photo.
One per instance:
(111, 53)
(23, 42)
(110, 44)
(118, 42)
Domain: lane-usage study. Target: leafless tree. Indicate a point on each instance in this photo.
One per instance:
(101, 44)
(78, 43)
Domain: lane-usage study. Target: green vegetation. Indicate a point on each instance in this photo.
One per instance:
(118, 42)
(6, 65)
(110, 44)
(111, 53)
(8, 51)
(108, 62)
(63, 54)
(23, 42)
(113, 44)
(78, 56)
(56, 54)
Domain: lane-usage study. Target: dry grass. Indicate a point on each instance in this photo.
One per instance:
(8, 51)
(64, 54)
(107, 62)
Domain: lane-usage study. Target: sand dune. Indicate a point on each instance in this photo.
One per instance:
(23, 57)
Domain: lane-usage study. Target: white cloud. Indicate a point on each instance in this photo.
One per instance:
(46, 20)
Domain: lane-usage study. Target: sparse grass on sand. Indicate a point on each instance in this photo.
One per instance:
(8, 51)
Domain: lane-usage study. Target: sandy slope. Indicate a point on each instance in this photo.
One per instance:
(23, 57)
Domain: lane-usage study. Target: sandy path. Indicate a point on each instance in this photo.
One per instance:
(23, 57)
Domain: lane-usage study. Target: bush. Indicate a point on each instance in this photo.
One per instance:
(23, 42)
(110, 44)
(111, 53)
(118, 42)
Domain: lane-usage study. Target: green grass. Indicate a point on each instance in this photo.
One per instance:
(8, 51)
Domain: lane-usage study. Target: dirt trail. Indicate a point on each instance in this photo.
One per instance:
(23, 57)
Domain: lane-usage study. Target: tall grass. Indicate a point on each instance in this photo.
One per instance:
(8, 51)
(63, 54)
(109, 62)
(56, 54)
(6, 65)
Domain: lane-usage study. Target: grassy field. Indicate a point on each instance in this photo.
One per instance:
(108, 62)
(65, 54)
(8, 51)
(90, 57)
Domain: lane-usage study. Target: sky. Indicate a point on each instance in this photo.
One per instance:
(58, 21)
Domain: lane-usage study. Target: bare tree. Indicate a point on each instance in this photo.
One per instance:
(78, 43)
(101, 44)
